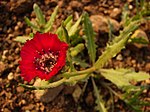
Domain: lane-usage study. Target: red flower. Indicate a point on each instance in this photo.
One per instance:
(42, 57)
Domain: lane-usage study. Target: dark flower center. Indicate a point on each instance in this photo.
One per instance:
(46, 62)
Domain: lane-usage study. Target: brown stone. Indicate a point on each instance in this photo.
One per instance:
(100, 23)
(20, 89)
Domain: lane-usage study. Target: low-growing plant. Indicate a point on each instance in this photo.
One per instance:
(55, 55)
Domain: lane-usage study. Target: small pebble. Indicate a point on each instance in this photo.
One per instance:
(129, 1)
(19, 23)
(0, 79)
(17, 50)
(23, 102)
(18, 69)
(130, 7)
(147, 67)
(5, 52)
(119, 57)
(2, 67)
(133, 61)
(89, 99)
(3, 57)
(20, 89)
(16, 28)
(10, 76)
(100, 23)
(28, 30)
(147, 81)
(115, 13)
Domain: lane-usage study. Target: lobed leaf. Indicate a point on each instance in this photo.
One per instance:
(39, 14)
(140, 40)
(68, 22)
(80, 62)
(59, 31)
(74, 28)
(99, 100)
(29, 23)
(22, 39)
(123, 77)
(65, 35)
(49, 24)
(116, 46)
(89, 38)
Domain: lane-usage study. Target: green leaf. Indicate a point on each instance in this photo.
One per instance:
(99, 100)
(65, 35)
(125, 15)
(59, 32)
(64, 29)
(77, 49)
(89, 38)
(22, 39)
(74, 28)
(118, 43)
(49, 24)
(80, 62)
(69, 24)
(135, 99)
(111, 29)
(76, 39)
(39, 14)
(137, 76)
(139, 40)
(123, 77)
(29, 23)
(67, 21)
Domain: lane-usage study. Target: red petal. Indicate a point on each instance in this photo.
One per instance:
(40, 44)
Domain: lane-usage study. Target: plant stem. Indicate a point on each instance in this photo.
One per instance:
(86, 71)
(50, 85)
(71, 80)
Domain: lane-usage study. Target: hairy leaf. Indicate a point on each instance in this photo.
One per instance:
(81, 62)
(68, 22)
(135, 99)
(99, 100)
(116, 46)
(74, 28)
(64, 24)
(65, 35)
(29, 23)
(49, 24)
(39, 14)
(22, 39)
(140, 40)
(123, 77)
(89, 38)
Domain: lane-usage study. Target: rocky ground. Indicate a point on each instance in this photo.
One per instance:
(14, 98)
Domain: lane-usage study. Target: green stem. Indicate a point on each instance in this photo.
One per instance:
(71, 80)
(50, 85)
(86, 71)
(70, 61)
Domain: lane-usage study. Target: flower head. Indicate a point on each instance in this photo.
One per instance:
(43, 56)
